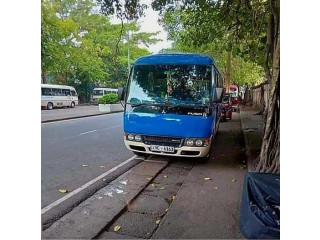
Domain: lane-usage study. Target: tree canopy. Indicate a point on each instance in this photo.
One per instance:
(80, 47)
(185, 34)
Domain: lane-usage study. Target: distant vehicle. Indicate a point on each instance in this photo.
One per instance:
(99, 92)
(58, 96)
(235, 104)
(226, 111)
(234, 92)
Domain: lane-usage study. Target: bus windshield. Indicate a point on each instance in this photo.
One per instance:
(170, 84)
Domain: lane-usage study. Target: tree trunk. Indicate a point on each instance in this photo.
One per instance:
(44, 77)
(262, 104)
(269, 158)
(228, 70)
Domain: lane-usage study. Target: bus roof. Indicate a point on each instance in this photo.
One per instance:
(175, 58)
(108, 89)
(56, 86)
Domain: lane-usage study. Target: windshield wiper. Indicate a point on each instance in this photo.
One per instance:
(137, 104)
(147, 104)
(167, 105)
(187, 106)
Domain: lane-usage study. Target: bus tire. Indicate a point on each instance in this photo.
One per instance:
(73, 105)
(49, 106)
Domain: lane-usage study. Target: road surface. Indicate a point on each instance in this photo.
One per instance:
(68, 145)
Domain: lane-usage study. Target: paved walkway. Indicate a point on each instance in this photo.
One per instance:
(252, 127)
(69, 113)
(210, 208)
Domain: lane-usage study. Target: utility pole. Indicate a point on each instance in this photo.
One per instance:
(128, 39)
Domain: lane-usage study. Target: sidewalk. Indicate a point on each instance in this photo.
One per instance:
(252, 127)
(210, 209)
(79, 111)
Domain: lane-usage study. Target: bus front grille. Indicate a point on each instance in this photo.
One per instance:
(162, 141)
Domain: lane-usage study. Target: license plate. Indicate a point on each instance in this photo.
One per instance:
(161, 148)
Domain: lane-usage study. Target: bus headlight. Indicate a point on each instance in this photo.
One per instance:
(130, 137)
(189, 142)
(137, 138)
(199, 142)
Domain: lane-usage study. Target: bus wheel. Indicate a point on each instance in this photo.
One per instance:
(73, 105)
(49, 106)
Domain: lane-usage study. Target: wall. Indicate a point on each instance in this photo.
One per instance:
(257, 92)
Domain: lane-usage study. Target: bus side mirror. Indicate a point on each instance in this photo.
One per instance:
(121, 92)
(217, 97)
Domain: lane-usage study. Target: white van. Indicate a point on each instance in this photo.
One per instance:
(58, 96)
(99, 92)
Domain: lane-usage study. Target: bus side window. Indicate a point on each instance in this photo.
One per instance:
(46, 91)
(65, 92)
(73, 93)
(57, 92)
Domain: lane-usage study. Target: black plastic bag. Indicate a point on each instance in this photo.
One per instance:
(260, 206)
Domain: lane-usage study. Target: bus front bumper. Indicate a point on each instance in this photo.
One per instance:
(182, 151)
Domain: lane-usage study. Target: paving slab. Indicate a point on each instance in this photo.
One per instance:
(92, 215)
(252, 127)
(166, 193)
(174, 176)
(113, 235)
(155, 206)
(210, 209)
(185, 163)
(136, 224)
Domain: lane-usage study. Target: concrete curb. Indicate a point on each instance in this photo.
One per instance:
(250, 160)
(83, 116)
(90, 218)
(64, 208)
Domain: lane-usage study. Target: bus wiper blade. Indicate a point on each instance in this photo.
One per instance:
(188, 106)
(167, 105)
(137, 104)
(147, 104)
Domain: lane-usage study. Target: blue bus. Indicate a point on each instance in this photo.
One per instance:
(172, 105)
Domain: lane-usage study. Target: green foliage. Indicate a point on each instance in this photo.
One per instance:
(183, 30)
(109, 98)
(214, 28)
(78, 45)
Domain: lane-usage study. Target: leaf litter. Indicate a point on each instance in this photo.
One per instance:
(116, 228)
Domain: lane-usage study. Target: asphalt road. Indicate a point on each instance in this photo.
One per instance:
(67, 145)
